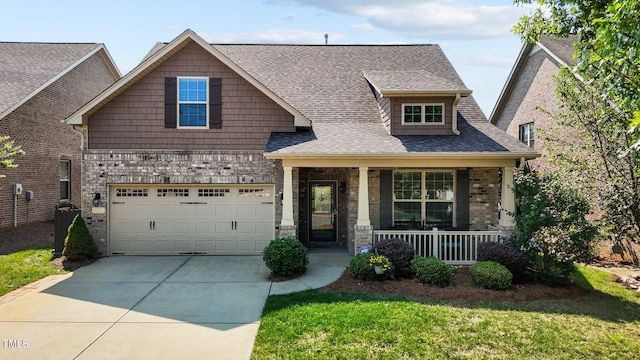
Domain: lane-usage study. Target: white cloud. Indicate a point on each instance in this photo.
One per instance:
(273, 36)
(433, 19)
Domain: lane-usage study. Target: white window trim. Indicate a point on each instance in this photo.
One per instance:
(529, 139)
(67, 180)
(178, 102)
(423, 187)
(423, 113)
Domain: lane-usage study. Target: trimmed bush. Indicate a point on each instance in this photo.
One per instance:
(400, 253)
(491, 275)
(285, 257)
(360, 268)
(79, 244)
(430, 270)
(506, 255)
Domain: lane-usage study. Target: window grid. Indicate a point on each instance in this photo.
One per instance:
(423, 113)
(173, 192)
(254, 192)
(132, 192)
(213, 192)
(423, 198)
(527, 133)
(192, 102)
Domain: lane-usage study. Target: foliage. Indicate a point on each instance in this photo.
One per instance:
(316, 324)
(361, 267)
(549, 201)
(381, 261)
(79, 245)
(430, 270)
(506, 255)
(608, 53)
(23, 267)
(491, 275)
(594, 154)
(285, 257)
(400, 253)
(7, 152)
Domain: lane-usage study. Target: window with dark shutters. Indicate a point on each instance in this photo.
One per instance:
(170, 102)
(215, 103)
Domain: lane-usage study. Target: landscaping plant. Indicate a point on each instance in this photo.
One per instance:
(491, 275)
(285, 257)
(362, 267)
(400, 253)
(430, 270)
(506, 255)
(79, 244)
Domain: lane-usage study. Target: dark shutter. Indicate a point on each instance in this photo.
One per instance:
(462, 199)
(386, 199)
(215, 103)
(170, 102)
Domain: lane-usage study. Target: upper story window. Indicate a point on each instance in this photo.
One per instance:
(527, 132)
(193, 100)
(422, 114)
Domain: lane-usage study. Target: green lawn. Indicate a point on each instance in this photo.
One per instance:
(315, 325)
(23, 267)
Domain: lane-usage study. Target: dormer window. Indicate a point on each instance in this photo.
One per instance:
(193, 101)
(416, 114)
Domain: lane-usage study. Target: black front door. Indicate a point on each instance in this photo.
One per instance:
(324, 212)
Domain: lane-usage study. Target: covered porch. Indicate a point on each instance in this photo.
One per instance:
(370, 207)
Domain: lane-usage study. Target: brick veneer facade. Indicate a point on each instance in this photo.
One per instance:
(36, 126)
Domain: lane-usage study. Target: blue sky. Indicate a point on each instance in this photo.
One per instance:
(475, 35)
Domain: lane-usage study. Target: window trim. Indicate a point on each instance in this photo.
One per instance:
(531, 133)
(423, 198)
(179, 102)
(423, 107)
(67, 180)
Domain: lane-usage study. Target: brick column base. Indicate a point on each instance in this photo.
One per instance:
(287, 231)
(363, 237)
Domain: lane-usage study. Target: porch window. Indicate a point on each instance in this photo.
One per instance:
(423, 199)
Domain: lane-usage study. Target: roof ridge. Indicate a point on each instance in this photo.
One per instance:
(50, 43)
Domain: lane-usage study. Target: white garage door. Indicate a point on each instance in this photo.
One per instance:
(190, 219)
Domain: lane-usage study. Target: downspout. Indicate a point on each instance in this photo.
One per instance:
(454, 115)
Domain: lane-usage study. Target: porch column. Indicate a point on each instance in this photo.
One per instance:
(507, 222)
(287, 197)
(363, 197)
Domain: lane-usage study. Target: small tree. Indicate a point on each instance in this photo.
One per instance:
(7, 152)
(79, 244)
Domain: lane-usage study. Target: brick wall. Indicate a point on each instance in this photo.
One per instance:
(170, 167)
(37, 128)
(483, 197)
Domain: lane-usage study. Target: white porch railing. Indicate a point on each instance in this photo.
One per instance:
(454, 247)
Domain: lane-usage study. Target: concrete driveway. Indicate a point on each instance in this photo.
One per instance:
(197, 307)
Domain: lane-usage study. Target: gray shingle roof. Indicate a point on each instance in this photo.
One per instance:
(561, 47)
(24, 67)
(327, 85)
(413, 80)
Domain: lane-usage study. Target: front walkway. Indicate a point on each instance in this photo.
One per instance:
(150, 307)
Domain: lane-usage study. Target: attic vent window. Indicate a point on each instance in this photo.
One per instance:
(193, 100)
(416, 114)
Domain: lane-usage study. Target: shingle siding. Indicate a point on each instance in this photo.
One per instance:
(135, 118)
(36, 126)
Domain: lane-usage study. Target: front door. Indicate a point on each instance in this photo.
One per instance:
(324, 212)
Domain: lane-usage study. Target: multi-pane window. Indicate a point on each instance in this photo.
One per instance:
(65, 177)
(423, 199)
(193, 101)
(527, 132)
(423, 113)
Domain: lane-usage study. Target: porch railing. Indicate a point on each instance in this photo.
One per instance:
(453, 247)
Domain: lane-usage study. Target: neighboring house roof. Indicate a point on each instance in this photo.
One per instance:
(27, 68)
(560, 49)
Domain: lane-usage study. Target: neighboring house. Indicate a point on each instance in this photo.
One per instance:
(218, 149)
(40, 85)
(528, 97)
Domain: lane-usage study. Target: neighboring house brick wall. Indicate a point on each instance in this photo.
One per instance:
(171, 167)
(532, 96)
(135, 118)
(36, 126)
(483, 197)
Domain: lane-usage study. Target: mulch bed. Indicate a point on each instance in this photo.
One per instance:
(462, 288)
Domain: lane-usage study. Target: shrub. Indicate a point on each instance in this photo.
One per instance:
(285, 257)
(491, 275)
(361, 267)
(430, 270)
(400, 253)
(79, 245)
(506, 255)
